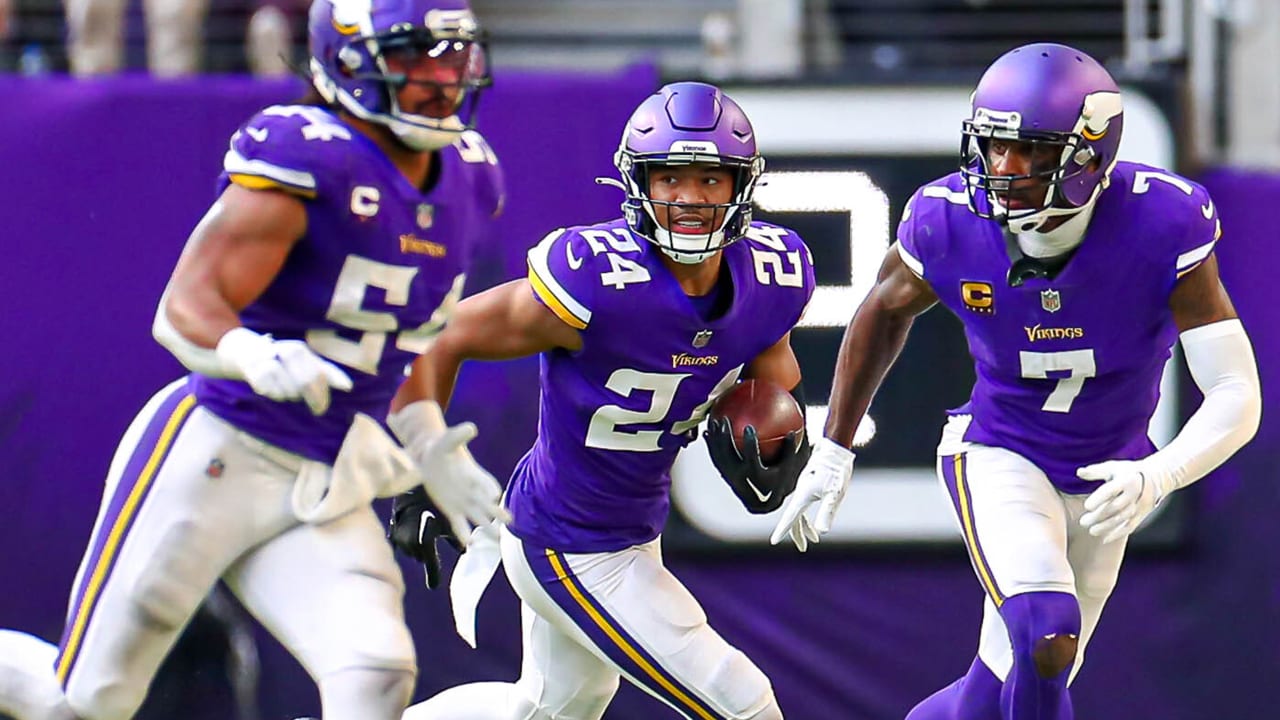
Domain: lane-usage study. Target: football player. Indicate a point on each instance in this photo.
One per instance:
(334, 253)
(1073, 274)
(641, 323)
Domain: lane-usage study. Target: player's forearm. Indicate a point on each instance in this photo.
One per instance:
(431, 378)
(1222, 364)
(199, 314)
(871, 345)
(191, 329)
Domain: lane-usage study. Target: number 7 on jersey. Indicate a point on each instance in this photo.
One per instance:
(1079, 364)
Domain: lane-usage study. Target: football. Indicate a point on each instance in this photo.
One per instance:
(764, 405)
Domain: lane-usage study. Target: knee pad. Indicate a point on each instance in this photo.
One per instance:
(1053, 654)
(741, 689)
(168, 592)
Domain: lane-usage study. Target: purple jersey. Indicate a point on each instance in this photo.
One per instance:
(613, 415)
(375, 276)
(1068, 370)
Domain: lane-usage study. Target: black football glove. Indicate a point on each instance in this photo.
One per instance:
(415, 528)
(761, 488)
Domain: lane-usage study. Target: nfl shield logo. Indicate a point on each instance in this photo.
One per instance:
(1050, 300)
(702, 338)
(426, 215)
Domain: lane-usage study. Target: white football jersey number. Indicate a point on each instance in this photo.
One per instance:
(603, 431)
(346, 309)
(1079, 363)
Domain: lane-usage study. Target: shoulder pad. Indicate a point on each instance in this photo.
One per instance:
(1180, 210)
(571, 269)
(485, 176)
(284, 147)
(783, 268)
(927, 208)
(780, 256)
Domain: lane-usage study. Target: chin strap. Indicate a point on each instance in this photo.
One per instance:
(1062, 239)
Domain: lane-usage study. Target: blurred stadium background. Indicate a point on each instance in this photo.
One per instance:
(856, 102)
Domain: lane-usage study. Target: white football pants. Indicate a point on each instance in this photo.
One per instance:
(590, 619)
(189, 499)
(1023, 535)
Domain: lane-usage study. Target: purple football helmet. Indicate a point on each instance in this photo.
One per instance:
(680, 124)
(1068, 107)
(352, 40)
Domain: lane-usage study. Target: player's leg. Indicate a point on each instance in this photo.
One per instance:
(29, 689)
(1014, 525)
(1096, 566)
(976, 696)
(176, 511)
(560, 679)
(472, 701)
(332, 595)
(630, 611)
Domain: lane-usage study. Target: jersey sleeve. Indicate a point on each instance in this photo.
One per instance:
(489, 182)
(911, 248)
(291, 148)
(809, 281)
(559, 279)
(1202, 230)
(784, 275)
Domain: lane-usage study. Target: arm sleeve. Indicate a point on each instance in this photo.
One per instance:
(1220, 358)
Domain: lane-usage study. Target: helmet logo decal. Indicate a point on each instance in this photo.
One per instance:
(351, 29)
(1098, 110)
(349, 15)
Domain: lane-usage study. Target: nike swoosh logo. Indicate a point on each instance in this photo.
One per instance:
(1207, 210)
(763, 497)
(259, 134)
(574, 262)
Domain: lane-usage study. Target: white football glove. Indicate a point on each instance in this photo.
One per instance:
(824, 480)
(282, 370)
(1131, 490)
(466, 494)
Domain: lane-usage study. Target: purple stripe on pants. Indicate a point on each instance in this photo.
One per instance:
(562, 585)
(126, 501)
(955, 475)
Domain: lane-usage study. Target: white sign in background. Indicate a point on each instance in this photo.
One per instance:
(903, 504)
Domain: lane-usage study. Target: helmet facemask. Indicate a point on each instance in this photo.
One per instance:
(366, 71)
(1058, 159)
(729, 221)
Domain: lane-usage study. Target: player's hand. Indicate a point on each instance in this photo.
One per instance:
(1126, 498)
(282, 370)
(415, 528)
(822, 483)
(466, 494)
(760, 487)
